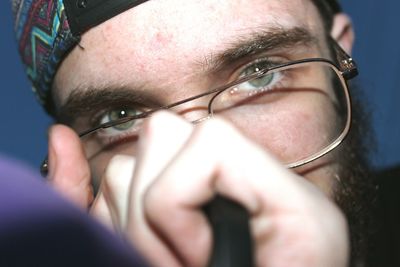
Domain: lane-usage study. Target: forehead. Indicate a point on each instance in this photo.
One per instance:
(160, 39)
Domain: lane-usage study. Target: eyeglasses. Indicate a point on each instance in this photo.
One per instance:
(298, 110)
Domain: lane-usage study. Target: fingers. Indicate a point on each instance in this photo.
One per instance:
(189, 177)
(111, 205)
(102, 210)
(191, 180)
(215, 159)
(69, 171)
(181, 167)
(155, 154)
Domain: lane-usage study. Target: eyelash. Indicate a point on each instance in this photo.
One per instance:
(269, 62)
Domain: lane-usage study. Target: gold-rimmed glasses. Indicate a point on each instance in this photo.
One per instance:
(299, 110)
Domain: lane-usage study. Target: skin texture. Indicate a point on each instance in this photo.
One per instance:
(158, 48)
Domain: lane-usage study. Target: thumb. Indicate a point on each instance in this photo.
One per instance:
(69, 170)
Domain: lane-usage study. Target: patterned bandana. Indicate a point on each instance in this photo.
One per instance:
(43, 36)
(46, 30)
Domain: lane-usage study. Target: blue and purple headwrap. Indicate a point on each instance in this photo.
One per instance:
(46, 30)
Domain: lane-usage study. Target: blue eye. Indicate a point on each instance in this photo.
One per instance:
(116, 114)
(262, 83)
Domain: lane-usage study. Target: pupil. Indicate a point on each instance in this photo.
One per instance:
(119, 114)
(252, 70)
(122, 114)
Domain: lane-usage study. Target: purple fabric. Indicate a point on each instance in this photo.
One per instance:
(39, 228)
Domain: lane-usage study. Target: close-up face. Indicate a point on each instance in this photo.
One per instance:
(164, 51)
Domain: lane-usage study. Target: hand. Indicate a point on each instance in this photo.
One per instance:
(181, 167)
(69, 171)
(69, 174)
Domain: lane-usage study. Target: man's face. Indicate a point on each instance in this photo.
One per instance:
(163, 51)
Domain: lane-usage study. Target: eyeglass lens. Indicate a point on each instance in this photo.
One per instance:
(294, 112)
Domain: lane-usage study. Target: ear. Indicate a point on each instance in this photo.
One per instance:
(343, 32)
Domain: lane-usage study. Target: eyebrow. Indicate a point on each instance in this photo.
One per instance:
(269, 39)
(83, 102)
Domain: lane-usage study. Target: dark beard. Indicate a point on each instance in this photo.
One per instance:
(356, 192)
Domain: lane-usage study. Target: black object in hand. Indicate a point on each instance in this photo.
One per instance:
(231, 232)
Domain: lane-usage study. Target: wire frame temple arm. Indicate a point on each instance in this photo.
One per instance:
(347, 65)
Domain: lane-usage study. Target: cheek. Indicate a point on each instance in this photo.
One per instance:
(295, 132)
(288, 135)
(292, 130)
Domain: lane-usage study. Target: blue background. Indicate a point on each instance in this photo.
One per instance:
(23, 124)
